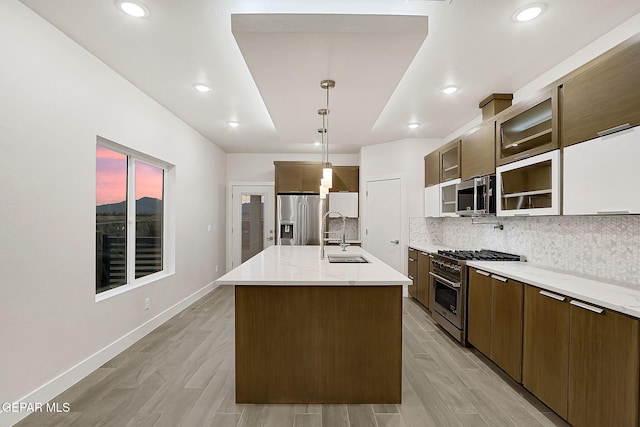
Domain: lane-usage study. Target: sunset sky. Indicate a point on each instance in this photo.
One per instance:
(111, 178)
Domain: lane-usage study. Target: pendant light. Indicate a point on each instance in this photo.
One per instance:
(327, 172)
(324, 189)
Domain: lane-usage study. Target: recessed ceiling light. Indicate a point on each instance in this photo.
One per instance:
(529, 12)
(233, 124)
(133, 8)
(414, 125)
(202, 87)
(449, 90)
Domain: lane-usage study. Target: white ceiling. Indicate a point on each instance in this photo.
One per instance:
(266, 73)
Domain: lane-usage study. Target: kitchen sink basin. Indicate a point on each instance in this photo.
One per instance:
(347, 259)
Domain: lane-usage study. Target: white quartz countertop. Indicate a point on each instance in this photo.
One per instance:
(607, 295)
(301, 265)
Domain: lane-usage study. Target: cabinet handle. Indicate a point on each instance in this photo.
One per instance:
(502, 279)
(612, 212)
(554, 296)
(586, 306)
(614, 129)
(484, 273)
(424, 253)
(430, 256)
(411, 259)
(521, 214)
(410, 277)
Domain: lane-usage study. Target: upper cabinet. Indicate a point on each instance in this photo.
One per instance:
(528, 129)
(477, 152)
(603, 96)
(432, 168)
(345, 178)
(450, 161)
(298, 177)
(601, 177)
(530, 186)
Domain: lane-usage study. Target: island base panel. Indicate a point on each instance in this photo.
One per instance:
(318, 344)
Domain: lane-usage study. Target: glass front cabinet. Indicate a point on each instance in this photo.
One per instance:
(530, 129)
(530, 186)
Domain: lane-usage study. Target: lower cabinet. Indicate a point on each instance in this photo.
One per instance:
(495, 307)
(424, 266)
(603, 367)
(581, 360)
(545, 353)
(479, 311)
(412, 271)
(418, 267)
(506, 325)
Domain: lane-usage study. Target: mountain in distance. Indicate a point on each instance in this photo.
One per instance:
(144, 206)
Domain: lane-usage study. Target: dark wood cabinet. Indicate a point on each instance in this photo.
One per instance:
(479, 311)
(288, 178)
(432, 169)
(424, 266)
(450, 161)
(506, 325)
(311, 176)
(495, 307)
(603, 367)
(477, 152)
(298, 177)
(602, 95)
(346, 178)
(412, 271)
(545, 349)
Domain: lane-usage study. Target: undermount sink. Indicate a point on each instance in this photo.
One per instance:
(347, 259)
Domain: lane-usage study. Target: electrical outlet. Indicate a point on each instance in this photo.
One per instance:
(147, 303)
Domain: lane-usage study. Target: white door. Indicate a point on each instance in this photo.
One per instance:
(383, 229)
(252, 215)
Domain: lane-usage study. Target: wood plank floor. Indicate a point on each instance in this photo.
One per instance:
(182, 374)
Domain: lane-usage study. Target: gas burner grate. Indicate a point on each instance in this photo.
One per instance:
(481, 255)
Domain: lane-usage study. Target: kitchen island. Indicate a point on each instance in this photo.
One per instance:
(310, 331)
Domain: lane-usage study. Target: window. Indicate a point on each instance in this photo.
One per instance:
(130, 231)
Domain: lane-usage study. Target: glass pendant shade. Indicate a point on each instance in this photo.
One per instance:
(327, 176)
(323, 192)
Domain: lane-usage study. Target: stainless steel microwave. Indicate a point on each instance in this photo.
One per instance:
(475, 196)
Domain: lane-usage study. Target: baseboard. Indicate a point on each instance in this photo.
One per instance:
(65, 380)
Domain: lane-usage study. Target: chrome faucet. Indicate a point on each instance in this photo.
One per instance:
(343, 243)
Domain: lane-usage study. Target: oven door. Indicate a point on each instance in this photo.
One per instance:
(448, 299)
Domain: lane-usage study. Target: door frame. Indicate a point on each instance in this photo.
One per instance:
(364, 182)
(229, 221)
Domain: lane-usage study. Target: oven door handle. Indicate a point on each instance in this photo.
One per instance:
(445, 281)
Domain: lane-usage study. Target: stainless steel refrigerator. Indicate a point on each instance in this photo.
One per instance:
(299, 219)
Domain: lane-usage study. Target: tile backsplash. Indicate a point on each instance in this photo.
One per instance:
(352, 228)
(606, 247)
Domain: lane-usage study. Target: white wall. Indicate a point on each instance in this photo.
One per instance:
(55, 98)
(252, 167)
(406, 158)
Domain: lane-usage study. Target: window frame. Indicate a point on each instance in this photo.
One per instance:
(168, 226)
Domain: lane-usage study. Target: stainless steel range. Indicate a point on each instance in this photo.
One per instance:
(449, 283)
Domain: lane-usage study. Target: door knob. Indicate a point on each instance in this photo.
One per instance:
(396, 242)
